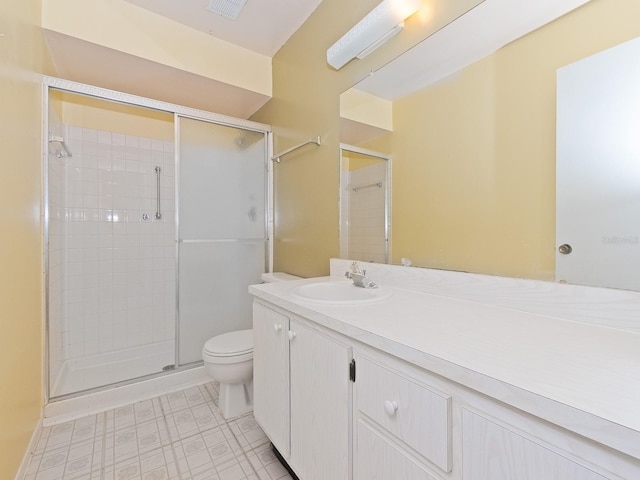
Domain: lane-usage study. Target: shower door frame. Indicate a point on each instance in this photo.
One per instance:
(54, 83)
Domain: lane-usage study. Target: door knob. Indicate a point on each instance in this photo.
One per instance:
(277, 328)
(565, 249)
(292, 335)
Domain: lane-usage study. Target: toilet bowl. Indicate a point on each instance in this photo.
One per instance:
(228, 358)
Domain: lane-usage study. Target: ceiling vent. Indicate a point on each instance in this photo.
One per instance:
(227, 8)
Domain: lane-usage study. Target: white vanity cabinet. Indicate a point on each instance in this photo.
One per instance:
(302, 393)
(445, 389)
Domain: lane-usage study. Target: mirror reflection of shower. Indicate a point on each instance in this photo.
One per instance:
(364, 205)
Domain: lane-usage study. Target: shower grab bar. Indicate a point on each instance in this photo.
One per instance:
(158, 214)
(360, 187)
(293, 149)
(223, 240)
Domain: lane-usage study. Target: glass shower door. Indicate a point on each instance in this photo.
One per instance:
(222, 230)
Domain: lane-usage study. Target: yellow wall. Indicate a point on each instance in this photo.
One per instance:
(97, 114)
(128, 28)
(354, 161)
(366, 108)
(473, 189)
(22, 57)
(474, 157)
(451, 179)
(305, 103)
(382, 144)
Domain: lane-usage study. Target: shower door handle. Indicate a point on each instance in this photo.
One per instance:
(158, 214)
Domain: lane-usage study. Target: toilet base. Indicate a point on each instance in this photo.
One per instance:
(235, 399)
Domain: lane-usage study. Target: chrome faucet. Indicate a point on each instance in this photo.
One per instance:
(359, 277)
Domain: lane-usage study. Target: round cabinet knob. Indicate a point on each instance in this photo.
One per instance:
(277, 328)
(390, 407)
(292, 335)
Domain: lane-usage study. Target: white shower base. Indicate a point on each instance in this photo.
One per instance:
(61, 411)
(84, 373)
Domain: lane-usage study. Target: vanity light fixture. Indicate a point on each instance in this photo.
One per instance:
(381, 24)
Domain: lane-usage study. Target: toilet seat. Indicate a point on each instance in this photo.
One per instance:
(229, 347)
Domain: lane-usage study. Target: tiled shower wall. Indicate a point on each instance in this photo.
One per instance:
(366, 213)
(115, 270)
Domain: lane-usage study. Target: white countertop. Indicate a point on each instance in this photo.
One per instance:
(581, 376)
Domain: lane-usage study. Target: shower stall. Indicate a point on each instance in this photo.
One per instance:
(156, 221)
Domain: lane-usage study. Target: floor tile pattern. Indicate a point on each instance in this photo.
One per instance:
(178, 436)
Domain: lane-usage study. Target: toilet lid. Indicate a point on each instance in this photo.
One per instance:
(232, 343)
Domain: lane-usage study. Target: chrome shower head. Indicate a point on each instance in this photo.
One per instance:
(247, 138)
(61, 150)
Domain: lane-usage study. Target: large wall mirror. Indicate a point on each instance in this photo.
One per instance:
(469, 117)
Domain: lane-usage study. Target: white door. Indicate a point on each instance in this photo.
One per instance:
(598, 169)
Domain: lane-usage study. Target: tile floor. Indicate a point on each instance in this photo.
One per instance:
(178, 436)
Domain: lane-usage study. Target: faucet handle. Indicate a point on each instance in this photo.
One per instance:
(355, 267)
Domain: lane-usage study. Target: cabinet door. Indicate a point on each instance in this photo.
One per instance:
(271, 375)
(492, 451)
(320, 405)
(379, 459)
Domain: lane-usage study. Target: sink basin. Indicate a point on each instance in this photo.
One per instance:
(338, 293)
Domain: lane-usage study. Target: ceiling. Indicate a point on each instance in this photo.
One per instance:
(262, 26)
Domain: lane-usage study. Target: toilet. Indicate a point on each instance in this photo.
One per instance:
(228, 358)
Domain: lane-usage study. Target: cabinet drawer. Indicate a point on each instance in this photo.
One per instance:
(417, 415)
(379, 459)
